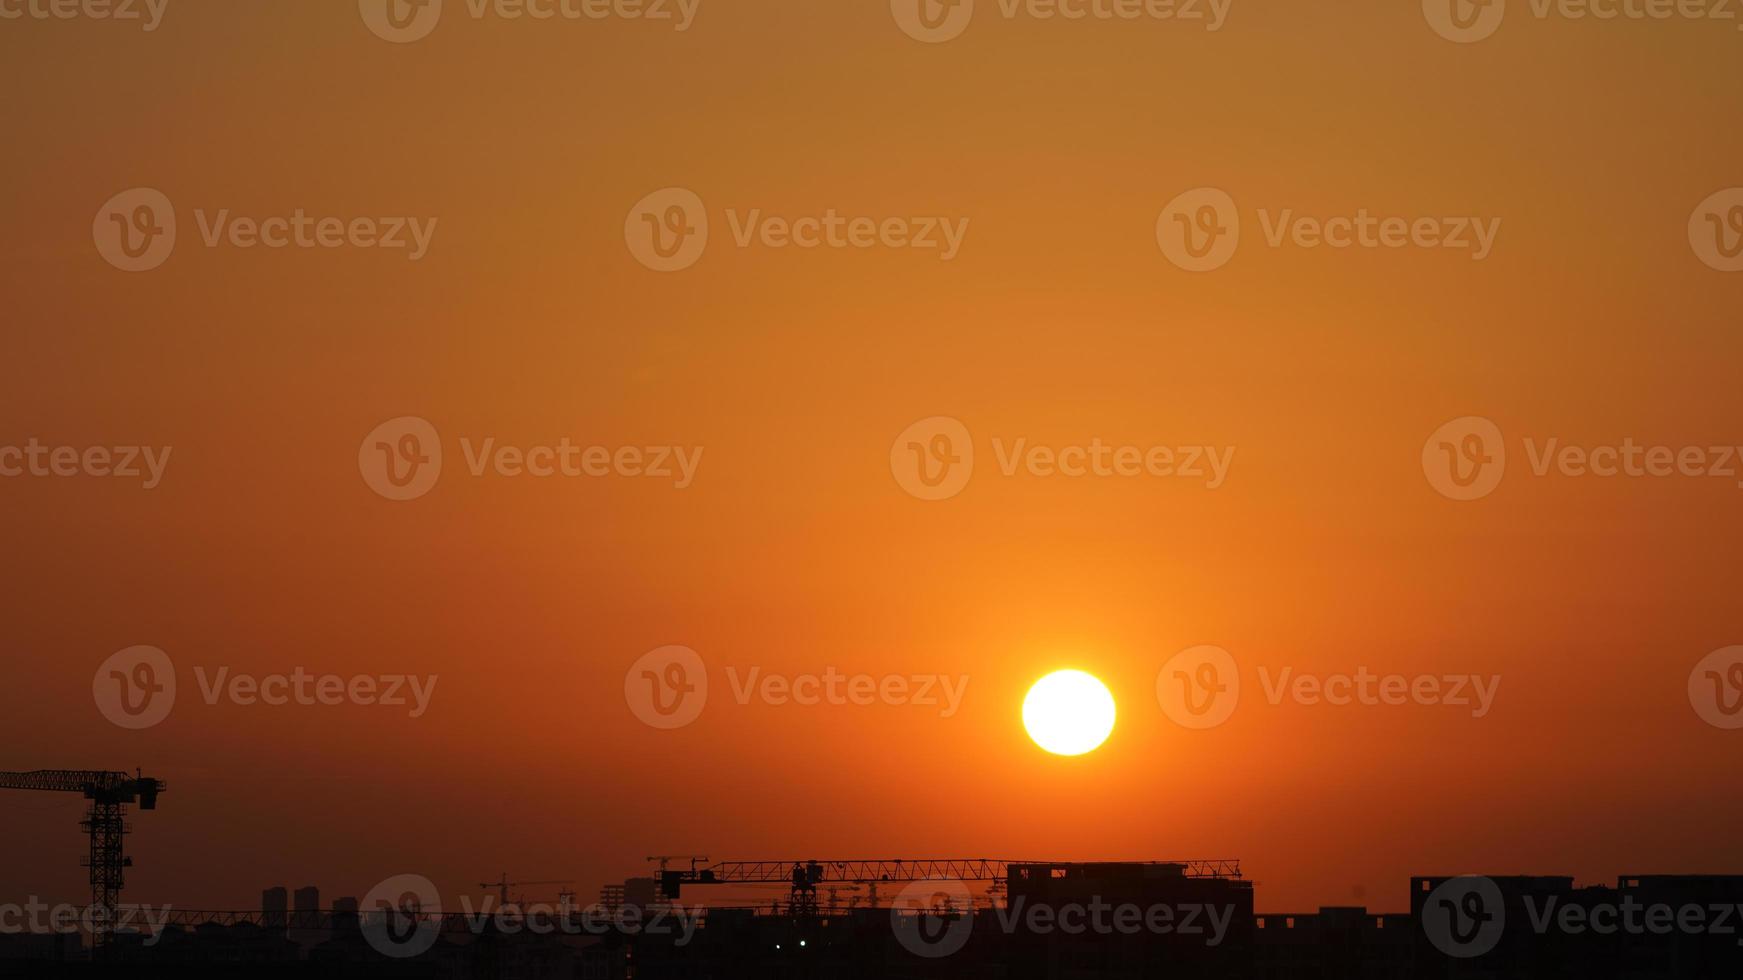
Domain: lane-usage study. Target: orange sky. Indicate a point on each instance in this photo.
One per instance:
(1059, 322)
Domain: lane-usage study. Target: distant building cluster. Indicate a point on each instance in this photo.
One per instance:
(1097, 921)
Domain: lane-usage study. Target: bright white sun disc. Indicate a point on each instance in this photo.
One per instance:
(1069, 712)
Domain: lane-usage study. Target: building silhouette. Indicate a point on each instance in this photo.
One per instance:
(1081, 921)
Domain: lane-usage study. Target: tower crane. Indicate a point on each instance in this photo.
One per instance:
(504, 885)
(105, 823)
(805, 876)
(665, 859)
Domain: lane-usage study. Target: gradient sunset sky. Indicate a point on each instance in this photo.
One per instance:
(1061, 321)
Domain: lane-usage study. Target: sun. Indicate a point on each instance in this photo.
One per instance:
(1069, 712)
